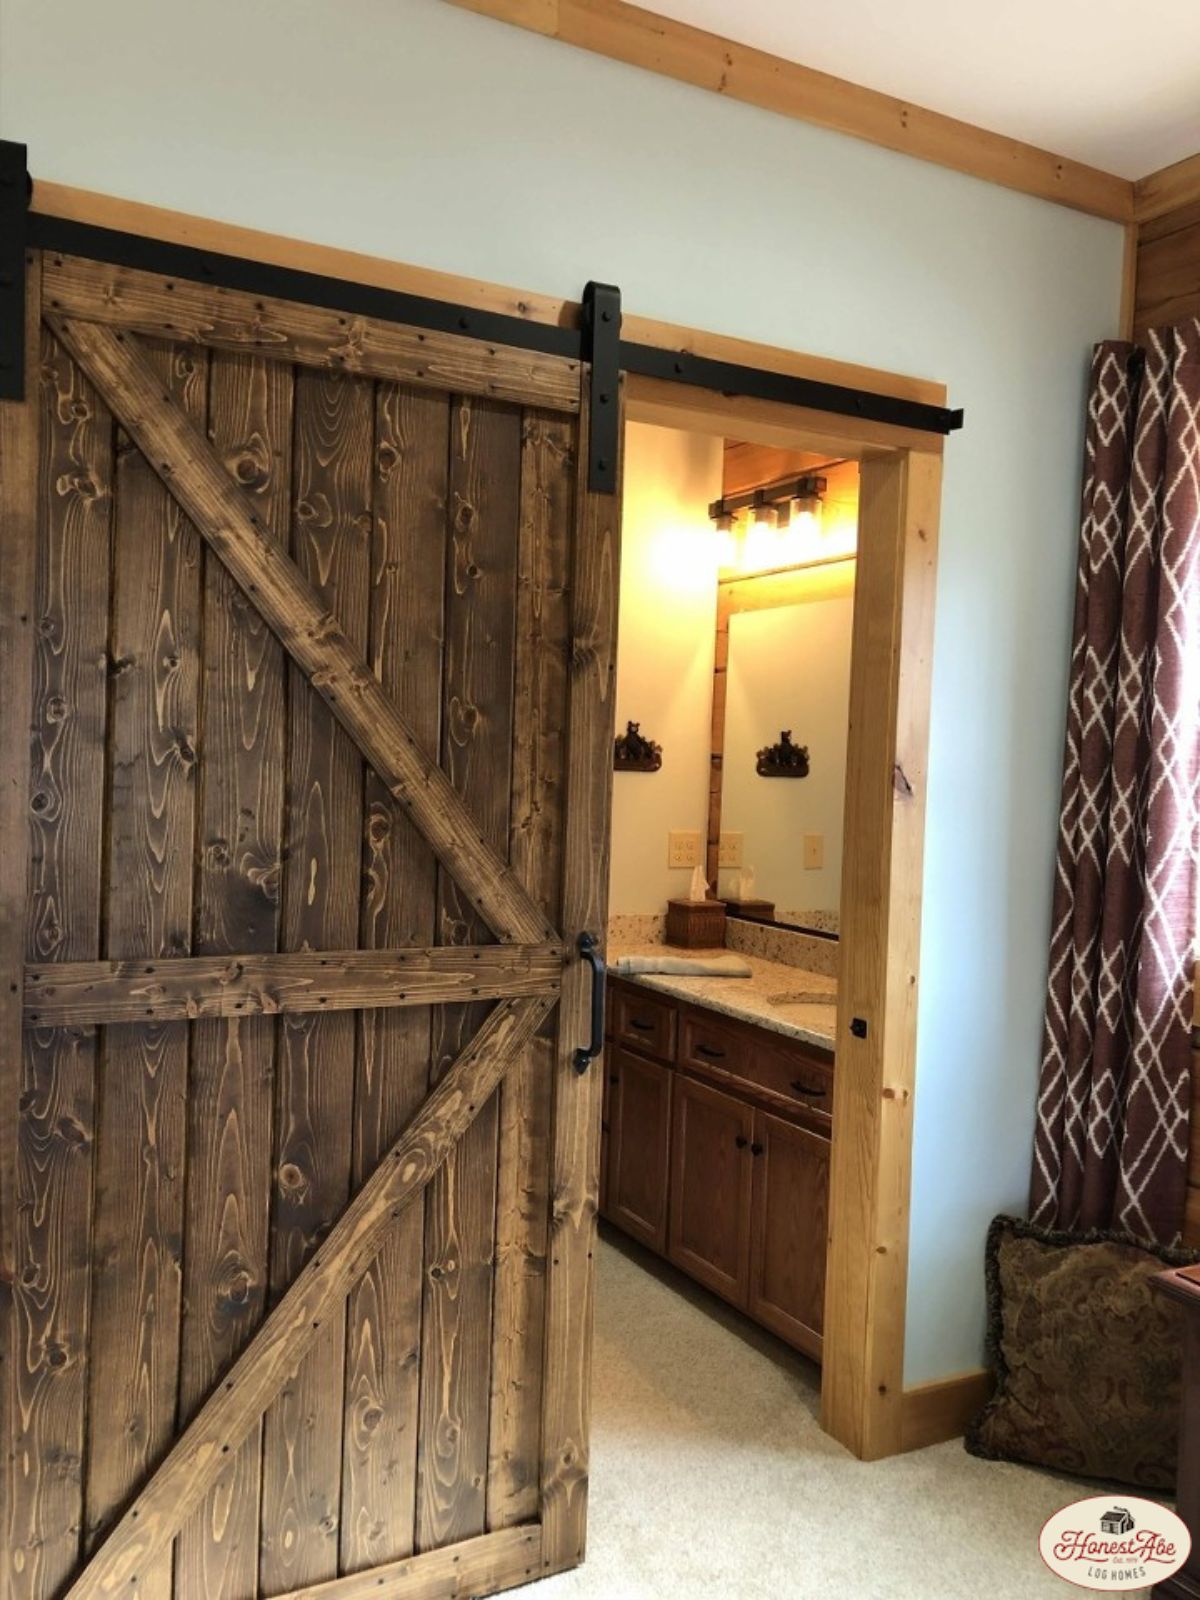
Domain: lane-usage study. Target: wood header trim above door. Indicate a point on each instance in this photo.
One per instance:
(93, 210)
(659, 44)
(274, 585)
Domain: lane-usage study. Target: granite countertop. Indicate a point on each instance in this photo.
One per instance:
(754, 999)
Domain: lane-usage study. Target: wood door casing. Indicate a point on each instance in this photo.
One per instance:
(638, 1143)
(789, 1230)
(209, 781)
(711, 1176)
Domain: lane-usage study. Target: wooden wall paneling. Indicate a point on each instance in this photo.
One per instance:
(19, 502)
(383, 1327)
(881, 925)
(238, 846)
(575, 1135)
(477, 754)
(1167, 284)
(332, 473)
(535, 849)
(56, 1133)
(140, 1153)
(1167, 190)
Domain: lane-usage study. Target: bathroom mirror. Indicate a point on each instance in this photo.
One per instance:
(780, 728)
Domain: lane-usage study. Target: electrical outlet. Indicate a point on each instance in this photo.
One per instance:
(731, 850)
(814, 851)
(683, 848)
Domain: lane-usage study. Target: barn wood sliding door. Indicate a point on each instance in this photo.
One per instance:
(311, 618)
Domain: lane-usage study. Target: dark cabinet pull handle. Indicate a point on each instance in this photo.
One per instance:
(589, 950)
(803, 1088)
(756, 1149)
(642, 1027)
(709, 1051)
(614, 1077)
(741, 1141)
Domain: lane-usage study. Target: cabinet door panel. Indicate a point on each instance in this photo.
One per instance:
(789, 1231)
(639, 1131)
(710, 1188)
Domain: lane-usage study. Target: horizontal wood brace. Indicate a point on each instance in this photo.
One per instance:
(483, 1565)
(79, 993)
(223, 318)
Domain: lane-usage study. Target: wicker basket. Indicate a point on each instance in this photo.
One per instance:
(696, 924)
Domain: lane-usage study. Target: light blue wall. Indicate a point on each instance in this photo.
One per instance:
(413, 130)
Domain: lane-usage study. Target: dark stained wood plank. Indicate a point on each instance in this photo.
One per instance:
(56, 1131)
(138, 1227)
(289, 1331)
(19, 498)
(486, 1565)
(485, 446)
(535, 851)
(383, 1326)
(310, 634)
(239, 840)
(287, 330)
(576, 1130)
(331, 529)
(244, 985)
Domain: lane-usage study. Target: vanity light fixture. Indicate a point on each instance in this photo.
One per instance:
(773, 502)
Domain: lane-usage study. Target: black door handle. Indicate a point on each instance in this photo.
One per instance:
(642, 1027)
(803, 1088)
(589, 950)
(741, 1141)
(756, 1149)
(710, 1052)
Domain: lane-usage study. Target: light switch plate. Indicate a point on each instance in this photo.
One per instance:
(683, 848)
(731, 850)
(814, 851)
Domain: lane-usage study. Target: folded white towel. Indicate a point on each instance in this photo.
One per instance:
(728, 966)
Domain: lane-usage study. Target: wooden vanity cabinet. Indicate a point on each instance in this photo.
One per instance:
(639, 1135)
(709, 1232)
(789, 1230)
(716, 1154)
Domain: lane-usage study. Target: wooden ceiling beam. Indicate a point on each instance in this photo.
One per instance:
(642, 38)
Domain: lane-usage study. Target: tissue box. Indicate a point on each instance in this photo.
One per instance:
(696, 924)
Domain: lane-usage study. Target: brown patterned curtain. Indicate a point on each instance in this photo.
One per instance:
(1111, 1146)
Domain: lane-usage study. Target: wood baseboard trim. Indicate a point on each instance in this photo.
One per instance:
(933, 1412)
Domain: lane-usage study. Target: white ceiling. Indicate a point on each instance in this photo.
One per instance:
(1114, 83)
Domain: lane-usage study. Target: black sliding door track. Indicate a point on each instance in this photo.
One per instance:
(339, 294)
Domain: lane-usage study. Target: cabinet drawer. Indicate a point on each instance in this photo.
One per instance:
(798, 1077)
(712, 1045)
(788, 1073)
(645, 1023)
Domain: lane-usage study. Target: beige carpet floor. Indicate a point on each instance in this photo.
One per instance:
(712, 1481)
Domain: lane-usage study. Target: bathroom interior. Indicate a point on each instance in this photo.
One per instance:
(730, 743)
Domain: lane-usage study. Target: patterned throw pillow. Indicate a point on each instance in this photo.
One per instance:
(1087, 1356)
